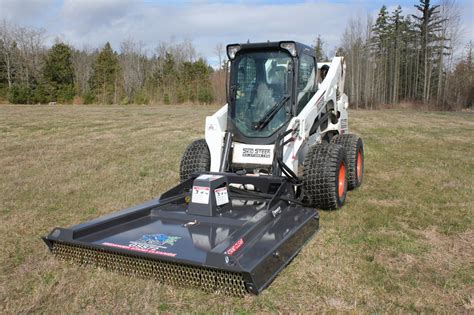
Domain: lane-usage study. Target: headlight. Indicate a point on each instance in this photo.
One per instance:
(290, 46)
(232, 51)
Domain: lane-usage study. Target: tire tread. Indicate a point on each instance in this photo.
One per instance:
(319, 178)
(196, 158)
(351, 143)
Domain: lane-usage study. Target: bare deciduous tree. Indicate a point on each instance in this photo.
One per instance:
(8, 50)
(82, 61)
(219, 51)
(133, 61)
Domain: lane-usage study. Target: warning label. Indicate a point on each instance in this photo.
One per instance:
(222, 197)
(200, 195)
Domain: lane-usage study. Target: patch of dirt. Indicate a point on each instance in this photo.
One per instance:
(451, 184)
(385, 202)
(389, 176)
(458, 248)
(400, 263)
(338, 304)
(447, 252)
(435, 270)
(449, 255)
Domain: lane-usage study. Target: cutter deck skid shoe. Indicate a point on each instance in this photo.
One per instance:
(246, 204)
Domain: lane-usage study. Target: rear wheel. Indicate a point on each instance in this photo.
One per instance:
(325, 176)
(196, 158)
(355, 157)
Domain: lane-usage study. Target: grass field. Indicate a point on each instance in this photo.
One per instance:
(402, 243)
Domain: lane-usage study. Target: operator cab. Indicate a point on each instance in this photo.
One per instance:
(269, 84)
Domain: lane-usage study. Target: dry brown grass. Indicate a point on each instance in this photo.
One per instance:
(402, 243)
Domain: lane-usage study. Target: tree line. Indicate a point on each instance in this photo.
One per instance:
(408, 58)
(396, 58)
(30, 73)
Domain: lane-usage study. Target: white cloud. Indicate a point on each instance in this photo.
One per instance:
(93, 22)
(87, 15)
(24, 11)
(205, 24)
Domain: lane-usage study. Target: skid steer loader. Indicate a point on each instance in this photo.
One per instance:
(247, 200)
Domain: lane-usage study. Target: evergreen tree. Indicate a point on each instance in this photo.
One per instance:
(202, 81)
(105, 81)
(381, 31)
(380, 50)
(57, 83)
(168, 79)
(407, 48)
(4, 82)
(395, 33)
(319, 49)
(400, 58)
(427, 26)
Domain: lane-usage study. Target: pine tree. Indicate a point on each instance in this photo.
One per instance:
(381, 32)
(396, 25)
(319, 49)
(203, 72)
(427, 25)
(168, 79)
(380, 41)
(57, 83)
(105, 81)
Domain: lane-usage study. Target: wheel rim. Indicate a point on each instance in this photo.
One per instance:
(359, 164)
(342, 180)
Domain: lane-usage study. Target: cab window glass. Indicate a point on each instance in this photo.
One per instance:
(260, 84)
(306, 81)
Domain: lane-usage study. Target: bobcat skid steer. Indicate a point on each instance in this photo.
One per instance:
(248, 195)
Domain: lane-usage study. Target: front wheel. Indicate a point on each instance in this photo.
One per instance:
(325, 176)
(196, 158)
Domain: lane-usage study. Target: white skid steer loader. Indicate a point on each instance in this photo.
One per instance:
(221, 229)
(285, 115)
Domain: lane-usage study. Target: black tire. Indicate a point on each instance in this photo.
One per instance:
(323, 166)
(355, 157)
(196, 158)
(304, 196)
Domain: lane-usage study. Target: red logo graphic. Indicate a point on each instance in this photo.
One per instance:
(235, 247)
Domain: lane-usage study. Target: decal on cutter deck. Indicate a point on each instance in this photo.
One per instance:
(155, 241)
(150, 251)
(150, 243)
(200, 195)
(222, 197)
(235, 247)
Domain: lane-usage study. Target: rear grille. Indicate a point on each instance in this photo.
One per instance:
(210, 280)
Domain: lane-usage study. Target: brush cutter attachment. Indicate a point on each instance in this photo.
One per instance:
(222, 232)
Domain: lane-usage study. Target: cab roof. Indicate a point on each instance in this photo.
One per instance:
(300, 47)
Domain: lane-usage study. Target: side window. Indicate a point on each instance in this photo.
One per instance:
(306, 81)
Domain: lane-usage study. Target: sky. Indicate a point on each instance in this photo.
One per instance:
(91, 23)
